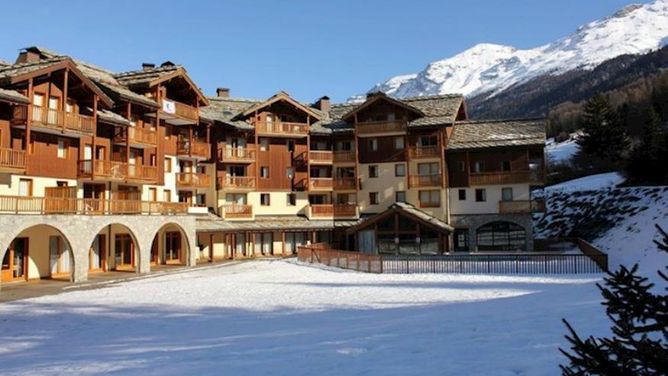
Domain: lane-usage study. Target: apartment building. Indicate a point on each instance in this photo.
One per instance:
(103, 170)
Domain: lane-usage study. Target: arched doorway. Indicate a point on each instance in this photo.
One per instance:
(501, 236)
(115, 247)
(39, 251)
(170, 246)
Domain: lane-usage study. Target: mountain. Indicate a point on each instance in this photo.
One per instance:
(486, 70)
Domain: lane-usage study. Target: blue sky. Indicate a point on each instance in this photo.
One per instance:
(308, 48)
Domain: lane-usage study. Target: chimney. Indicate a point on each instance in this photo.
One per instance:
(323, 104)
(27, 57)
(147, 66)
(223, 92)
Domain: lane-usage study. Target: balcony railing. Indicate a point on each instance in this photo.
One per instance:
(237, 211)
(12, 159)
(505, 177)
(195, 149)
(136, 135)
(282, 129)
(345, 183)
(179, 109)
(423, 152)
(332, 211)
(320, 157)
(87, 206)
(236, 182)
(417, 181)
(231, 154)
(368, 127)
(344, 156)
(521, 206)
(112, 170)
(321, 184)
(56, 119)
(192, 180)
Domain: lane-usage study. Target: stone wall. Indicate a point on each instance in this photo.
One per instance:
(81, 230)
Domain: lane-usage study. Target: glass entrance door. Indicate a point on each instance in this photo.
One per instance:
(173, 247)
(124, 251)
(14, 264)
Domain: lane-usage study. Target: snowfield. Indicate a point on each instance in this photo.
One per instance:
(280, 318)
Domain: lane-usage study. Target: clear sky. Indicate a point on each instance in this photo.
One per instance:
(308, 48)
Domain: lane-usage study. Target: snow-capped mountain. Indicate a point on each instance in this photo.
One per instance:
(491, 68)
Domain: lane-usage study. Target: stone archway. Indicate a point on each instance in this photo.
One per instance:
(123, 248)
(171, 245)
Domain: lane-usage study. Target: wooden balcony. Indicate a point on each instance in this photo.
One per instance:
(505, 177)
(424, 152)
(344, 156)
(373, 127)
(87, 206)
(237, 183)
(521, 206)
(332, 211)
(425, 181)
(192, 180)
(237, 211)
(116, 171)
(136, 137)
(12, 160)
(321, 184)
(282, 129)
(55, 120)
(173, 109)
(345, 184)
(321, 157)
(193, 150)
(236, 155)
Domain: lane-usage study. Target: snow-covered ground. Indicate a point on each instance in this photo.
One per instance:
(561, 152)
(280, 318)
(589, 183)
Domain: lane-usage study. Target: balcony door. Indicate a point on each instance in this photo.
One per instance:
(15, 262)
(173, 247)
(123, 251)
(236, 198)
(54, 104)
(37, 107)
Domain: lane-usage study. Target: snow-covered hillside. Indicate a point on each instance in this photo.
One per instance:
(620, 221)
(491, 68)
(561, 152)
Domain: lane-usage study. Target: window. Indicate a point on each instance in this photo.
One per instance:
(62, 149)
(462, 195)
(152, 194)
(264, 144)
(292, 199)
(400, 196)
(291, 145)
(168, 165)
(264, 172)
(430, 199)
(481, 195)
(200, 199)
(264, 199)
(373, 171)
(25, 187)
(428, 169)
(505, 165)
(61, 184)
(373, 144)
(478, 166)
(167, 195)
(426, 141)
(399, 169)
(462, 166)
(373, 198)
(506, 194)
(398, 143)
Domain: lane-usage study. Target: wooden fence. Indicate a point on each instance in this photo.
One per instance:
(478, 263)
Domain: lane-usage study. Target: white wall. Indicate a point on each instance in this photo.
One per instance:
(491, 205)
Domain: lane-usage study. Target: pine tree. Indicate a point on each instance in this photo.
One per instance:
(639, 344)
(645, 164)
(604, 135)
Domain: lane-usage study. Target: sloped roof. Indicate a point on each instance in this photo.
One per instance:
(225, 110)
(145, 78)
(501, 133)
(103, 78)
(282, 96)
(110, 117)
(269, 223)
(13, 70)
(407, 210)
(12, 96)
(380, 96)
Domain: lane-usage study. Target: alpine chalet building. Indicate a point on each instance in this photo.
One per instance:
(104, 171)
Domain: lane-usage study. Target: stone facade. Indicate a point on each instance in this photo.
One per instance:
(80, 231)
(474, 222)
